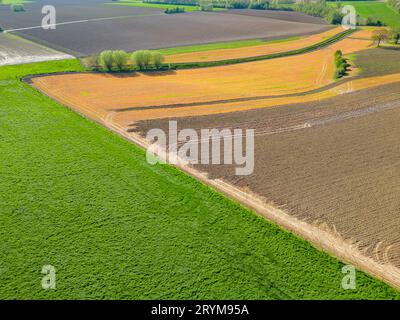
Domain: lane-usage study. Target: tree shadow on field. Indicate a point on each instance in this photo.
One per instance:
(128, 74)
(158, 73)
(394, 48)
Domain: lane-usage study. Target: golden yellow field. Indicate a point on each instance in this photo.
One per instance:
(269, 48)
(134, 97)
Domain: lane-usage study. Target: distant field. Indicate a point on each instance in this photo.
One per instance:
(10, 2)
(153, 5)
(375, 9)
(84, 200)
(219, 46)
(15, 50)
(251, 48)
(132, 28)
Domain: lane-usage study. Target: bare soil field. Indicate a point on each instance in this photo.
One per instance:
(389, 61)
(132, 28)
(333, 164)
(14, 50)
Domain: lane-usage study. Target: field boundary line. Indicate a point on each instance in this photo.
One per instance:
(80, 21)
(318, 237)
(321, 239)
(317, 46)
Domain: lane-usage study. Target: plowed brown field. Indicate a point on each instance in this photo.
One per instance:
(340, 173)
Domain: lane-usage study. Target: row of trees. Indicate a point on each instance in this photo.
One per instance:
(342, 66)
(174, 10)
(119, 60)
(209, 4)
(320, 8)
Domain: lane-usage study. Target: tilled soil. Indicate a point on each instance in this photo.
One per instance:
(134, 28)
(334, 163)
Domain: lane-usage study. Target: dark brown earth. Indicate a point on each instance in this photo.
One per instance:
(343, 169)
(134, 28)
(379, 61)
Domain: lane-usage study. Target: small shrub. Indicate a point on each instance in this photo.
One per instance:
(259, 5)
(174, 10)
(206, 5)
(91, 62)
(18, 8)
(395, 36)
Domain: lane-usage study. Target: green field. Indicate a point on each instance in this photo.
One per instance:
(11, 2)
(222, 45)
(375, 9)
(80, 198)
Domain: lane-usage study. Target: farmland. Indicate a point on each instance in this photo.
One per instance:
(256, 49)
(338, 115)
(327, 173)
(375, 9)
(80, 194)
(153, 5)
(86, 201)
(132, 28)
(14, 50)
(171, 93)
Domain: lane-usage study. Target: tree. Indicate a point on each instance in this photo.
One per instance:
(157, 59)
(106, 60)
(381, 35)
(120, 59)
(395, 36)
(142, 59)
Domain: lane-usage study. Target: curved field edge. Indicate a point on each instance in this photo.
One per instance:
(84, 200)
(319, 45)
(217, 63)
(224, 45)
